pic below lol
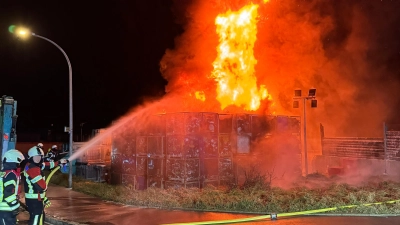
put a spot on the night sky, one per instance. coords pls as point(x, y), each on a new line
point(348, 50)
point(114, 48)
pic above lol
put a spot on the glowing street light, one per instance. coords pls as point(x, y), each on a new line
point(20, 32)
point(24, 33)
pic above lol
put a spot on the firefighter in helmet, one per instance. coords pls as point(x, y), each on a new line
point(52, 154)
point(35, 184)
point(9, 182)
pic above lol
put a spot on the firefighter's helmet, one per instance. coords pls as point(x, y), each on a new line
point(40, 145)
point(34, 151)
point(54, 146)
point(13, 155)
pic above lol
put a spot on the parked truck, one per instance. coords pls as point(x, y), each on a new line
point(8, 121)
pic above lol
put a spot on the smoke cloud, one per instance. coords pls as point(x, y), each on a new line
point(347, 50)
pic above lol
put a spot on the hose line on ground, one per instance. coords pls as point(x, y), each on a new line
point(47, 183)
point(256, 218)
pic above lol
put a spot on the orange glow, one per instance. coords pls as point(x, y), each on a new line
point(265, 1)
point(234, 65)
point(200, 95)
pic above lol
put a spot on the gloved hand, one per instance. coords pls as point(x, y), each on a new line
point(46, 202)
point(63, 161)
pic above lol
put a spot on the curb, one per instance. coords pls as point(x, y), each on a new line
point(56, 221)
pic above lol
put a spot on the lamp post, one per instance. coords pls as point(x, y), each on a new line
point(25, 33)
point(296, 98)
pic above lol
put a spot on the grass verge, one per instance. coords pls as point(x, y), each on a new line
point(251, 198)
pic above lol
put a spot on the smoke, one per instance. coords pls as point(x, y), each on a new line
point(344, 49)
point(347, 50)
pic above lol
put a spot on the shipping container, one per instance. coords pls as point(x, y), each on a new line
point(193, 149)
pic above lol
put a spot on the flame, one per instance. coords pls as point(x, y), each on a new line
point(200, 95)
point(234, 65)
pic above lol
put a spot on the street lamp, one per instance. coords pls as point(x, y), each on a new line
point(25, 33)
point(296, 98)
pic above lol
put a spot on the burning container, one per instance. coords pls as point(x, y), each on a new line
point(190, 149)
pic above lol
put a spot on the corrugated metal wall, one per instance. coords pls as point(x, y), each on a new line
point(349, 153)
point(367, 148)
point(393, 145)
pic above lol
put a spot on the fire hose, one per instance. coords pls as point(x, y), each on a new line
point(273, 216)
point(47, 183)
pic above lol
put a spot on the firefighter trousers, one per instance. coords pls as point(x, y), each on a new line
point(36, 210)
point(7, 218)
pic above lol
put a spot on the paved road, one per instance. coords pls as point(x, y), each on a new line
point(323, 220)
point(153, 217)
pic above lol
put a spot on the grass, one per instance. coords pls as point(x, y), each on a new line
point(254, 197)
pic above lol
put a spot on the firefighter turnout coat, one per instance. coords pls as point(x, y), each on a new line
point(35, 181)
point(9, 182)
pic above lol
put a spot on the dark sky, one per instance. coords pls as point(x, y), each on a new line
point(114, 47)
point(348, 50)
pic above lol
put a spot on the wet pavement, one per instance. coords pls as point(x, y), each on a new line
point(70, 207)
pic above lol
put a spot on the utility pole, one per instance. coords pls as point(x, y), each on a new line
point(311, 96)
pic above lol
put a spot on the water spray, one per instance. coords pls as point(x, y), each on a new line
point(139, 113)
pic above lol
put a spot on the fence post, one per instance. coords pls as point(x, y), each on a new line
point(385, 145)
point(322, 134)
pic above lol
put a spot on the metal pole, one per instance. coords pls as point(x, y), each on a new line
point(305, 136)
point(70, 105)
point(385, 146)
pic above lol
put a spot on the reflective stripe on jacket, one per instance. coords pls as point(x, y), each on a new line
point(35, 181)
point(9, 183)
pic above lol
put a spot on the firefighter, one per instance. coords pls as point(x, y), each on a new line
point(23, 163)
point(35, 184)
point(40, 145)
point(52, 154)
point(10, 177)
